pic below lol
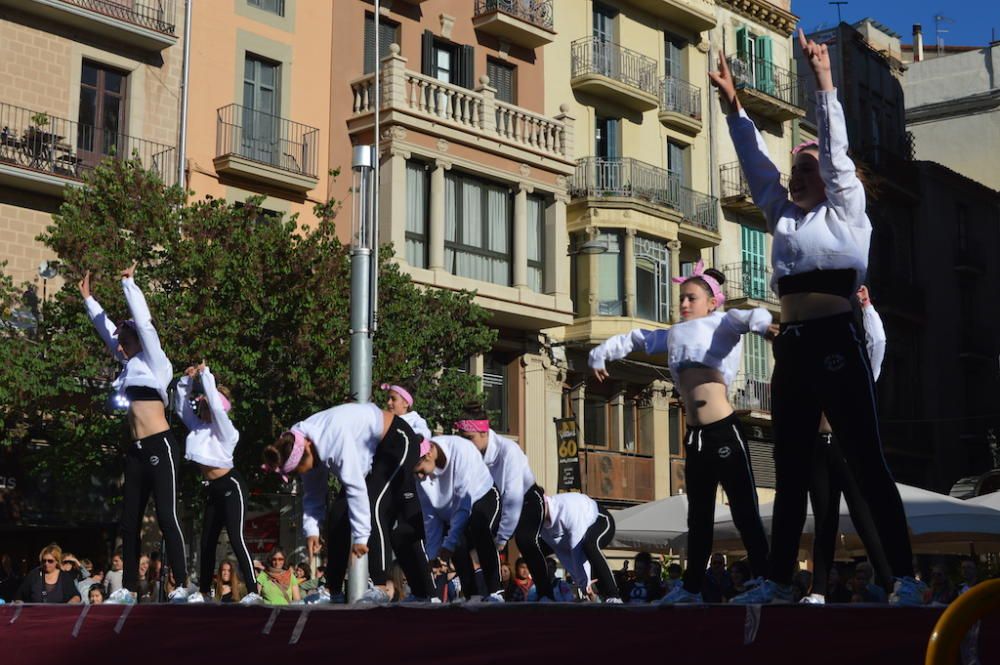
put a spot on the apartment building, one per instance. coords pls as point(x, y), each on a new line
point(80, 80)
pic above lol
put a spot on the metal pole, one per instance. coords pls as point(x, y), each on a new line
point(185, 76)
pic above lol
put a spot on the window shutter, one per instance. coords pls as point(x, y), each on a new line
point(369, 44)
point(742, 43)
point(467, 62)
point(427, 53)
point(765, 64)
point(501, 78)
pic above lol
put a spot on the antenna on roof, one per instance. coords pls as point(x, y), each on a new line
point(939, 20)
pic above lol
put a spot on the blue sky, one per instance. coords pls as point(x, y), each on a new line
point(970, 25)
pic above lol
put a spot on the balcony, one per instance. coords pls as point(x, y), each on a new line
point(751, 395)
point(695, 15)
point(472, 117)
point(766, 89)
point(264, 148)
point(680, 105)
point(44, 154)
point(736, 191)
point(145, 24)
point(749, 285)
point(614, 73)
point(527, 23)
point(630, 179)
point(615, 476)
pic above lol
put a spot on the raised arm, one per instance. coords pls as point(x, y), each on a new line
point(105, 327)
point(763, 177)
point(183, 406)
point(736, 323)
point(222, 426)
point(844, 191)
point(619, 346)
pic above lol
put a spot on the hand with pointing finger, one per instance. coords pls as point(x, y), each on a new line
point(819, 60)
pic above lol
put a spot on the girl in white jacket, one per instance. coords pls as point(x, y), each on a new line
point(703, 352)
point(577, 530)
point(461, 510)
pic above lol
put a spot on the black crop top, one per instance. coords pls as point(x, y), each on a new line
point(838, 282)
point(142, 394)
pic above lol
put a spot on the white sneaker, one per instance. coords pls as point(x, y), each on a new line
point(679, 595)
point(763, 593)
point(374, 596)
point(813, 599)
point(614, 600)
point(196, 597)
point(121, 597)
point(252, 599)
point(907, 591)
point(495, 597)
point(179, 595)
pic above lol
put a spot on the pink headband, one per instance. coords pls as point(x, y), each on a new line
point(472, 425)
point(298, 449)
point(226, 406)
point(805, 145)
point(425, 447)
point(401, 391)
point(699, 271)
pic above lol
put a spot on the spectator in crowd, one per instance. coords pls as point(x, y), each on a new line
point(145, 586)
point(10, 579)
point(229, 588)
point(95, 595)
point(278, 585)
point(865, 587)
point(318, 581)
point(446, 585)
point(739, 574)
point(801, 583)
point(970, 575)
point(81, 575)
point(836, 588)
point(562, 590)
point(396, 584)
point(48, 583)
point(674, 575)
point(642, 588)
point(656, 576)
point(113, 578)
point(303, 573)
point(504, 574)
point(718, 587)
point(940, 591)
point(521, 585)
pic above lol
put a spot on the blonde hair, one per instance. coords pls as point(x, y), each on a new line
point(54, 550)
point(236, 586)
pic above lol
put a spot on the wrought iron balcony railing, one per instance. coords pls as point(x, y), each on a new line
point(766, 77)
point(154, 14)
point(680, 96)
point(536, 12)
point(268, 139)
point(749, 393)
point(591, 55)
point(733, 183)
point(751, 280)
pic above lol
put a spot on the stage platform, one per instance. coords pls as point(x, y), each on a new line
point(467, 634)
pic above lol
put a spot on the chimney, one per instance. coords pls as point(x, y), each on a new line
point(918, 43)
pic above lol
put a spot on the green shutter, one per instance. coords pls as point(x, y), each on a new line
point(742, 43)
point(752, 249)
point(765, 65)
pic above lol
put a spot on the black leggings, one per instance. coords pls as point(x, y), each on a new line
point(718, 453)
point(225, 505)
point(527, 535)
point(391, 495)
point(151, 466)
point(830, 478)
point(821, 366)
point(480, 531)
point(599, 536)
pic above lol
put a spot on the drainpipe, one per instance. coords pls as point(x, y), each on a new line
point(185, 74)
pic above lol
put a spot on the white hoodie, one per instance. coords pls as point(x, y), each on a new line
point(447, 494)
point(568, 516)
point(150, 368)
point(211, 444)
point(345, 437)
point(512, 476)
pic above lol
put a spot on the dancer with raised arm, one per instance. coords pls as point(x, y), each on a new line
point(703, 352)
point(204, 408)
point(819, 256)
point(153, 457)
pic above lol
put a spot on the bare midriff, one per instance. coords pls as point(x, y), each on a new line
point(797, 307)
point(212, 472)
point(704, 394)
point(146, 418)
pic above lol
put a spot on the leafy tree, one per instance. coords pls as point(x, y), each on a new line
point(262, 299)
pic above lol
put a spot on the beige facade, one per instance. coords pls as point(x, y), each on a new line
point(77, 84)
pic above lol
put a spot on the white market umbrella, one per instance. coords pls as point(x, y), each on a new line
point(657, 526)
point(991, 500)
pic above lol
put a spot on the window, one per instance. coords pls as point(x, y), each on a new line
point(609, 279)
point(417, 213)
point(605, 56)
point(608, 137)
point(477, 229)
point(754, 275)
point(502, 78)
point(755, 354)
point(388, 33)
point(673, 56)
point(495, 391)
point(102, 112)
point(261, 134)
point(595, 421)
point(652, 279)
point(273, 6)
point(757, 54)
point(536, 244)
point(447, 62)
point(677, 155)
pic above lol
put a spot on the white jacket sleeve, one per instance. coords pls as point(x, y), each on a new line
point(158, 360)
point(736, 323)
point(105, 327)
point(874, 339)
point(182, 405)
point(763, 177)
point(315, 486)
point(433, 529)
point(513, 501)
point(619, 346)
point(352, 479)
point(418, 424)
point(844, 191)
point(222, 426)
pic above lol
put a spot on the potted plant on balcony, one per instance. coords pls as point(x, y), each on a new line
point(36, 137)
